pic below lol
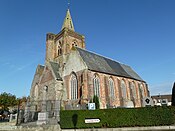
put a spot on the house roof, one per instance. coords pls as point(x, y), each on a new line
point(168, 97)
point(102, 64)
point(55, 69)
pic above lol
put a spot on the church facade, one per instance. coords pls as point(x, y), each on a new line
point(73, 75)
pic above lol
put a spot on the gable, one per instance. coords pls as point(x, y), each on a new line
point(47, 75)
point(38, 73)
point(74, 63)
point(36, 79)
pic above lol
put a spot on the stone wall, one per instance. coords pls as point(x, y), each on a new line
point(57, 128)
point(30, 128)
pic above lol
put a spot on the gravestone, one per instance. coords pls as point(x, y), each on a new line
point(57, 109)
point(84, 106)
point(129, 104)
point(68, 107)
point(49, 108)
point(20, 117)
point(27, 112)
point(59, 95)
point(42, 118)
point(43, 115)
point(77, 107)
point(147, 101)
point(13, 117)
point(164, 102)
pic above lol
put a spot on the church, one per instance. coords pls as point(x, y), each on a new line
point(73, 75)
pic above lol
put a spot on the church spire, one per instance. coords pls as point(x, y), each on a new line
point(68, 21)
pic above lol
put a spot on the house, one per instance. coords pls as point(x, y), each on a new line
point(160, 100)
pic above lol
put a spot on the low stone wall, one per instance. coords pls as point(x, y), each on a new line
point(156, 128)
point(57, 128)
point(30, 128)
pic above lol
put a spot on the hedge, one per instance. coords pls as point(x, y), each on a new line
point(119, 117)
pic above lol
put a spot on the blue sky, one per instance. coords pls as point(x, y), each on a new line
point(139, 33)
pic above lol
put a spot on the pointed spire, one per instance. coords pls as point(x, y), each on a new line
point(68, 21)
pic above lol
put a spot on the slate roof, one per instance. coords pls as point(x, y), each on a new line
point(55, 68)
point(102, 64)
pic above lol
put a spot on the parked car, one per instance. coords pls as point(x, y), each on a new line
point(4, 114)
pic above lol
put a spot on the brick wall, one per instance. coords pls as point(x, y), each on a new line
point(85, 83)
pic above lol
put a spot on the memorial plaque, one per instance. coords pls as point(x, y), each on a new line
point(42, 118)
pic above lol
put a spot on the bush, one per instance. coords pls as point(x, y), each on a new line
point(111, 118)
point(96, 101)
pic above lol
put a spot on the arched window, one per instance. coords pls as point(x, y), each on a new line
point(111, 88)
point(141, 91)
point(73, 87)
point(59, 51)
point(133, 90)
point(96, 85)
point(123, 89)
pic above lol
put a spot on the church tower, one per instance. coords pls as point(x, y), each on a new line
point(58, 46)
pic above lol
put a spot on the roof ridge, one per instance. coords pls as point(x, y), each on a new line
point(101, 56)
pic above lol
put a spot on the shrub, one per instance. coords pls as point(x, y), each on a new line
point(96, 101)
point(121, 117)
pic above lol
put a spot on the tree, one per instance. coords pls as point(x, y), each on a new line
point(173, 95)
point(96, 101)
point(7, 100)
